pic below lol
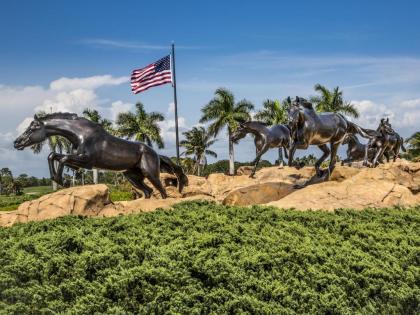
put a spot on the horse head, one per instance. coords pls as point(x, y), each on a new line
point(240, 132)
point(385, 126)
point(34, 134)
point(294, 116)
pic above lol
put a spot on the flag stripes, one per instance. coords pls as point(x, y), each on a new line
point(155, 74)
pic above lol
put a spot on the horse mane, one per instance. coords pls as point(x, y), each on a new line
point(306, 104)
point(68, 116)
point(259, 121)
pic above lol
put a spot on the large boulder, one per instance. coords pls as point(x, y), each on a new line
point(353, 193)
point(82, 200)
point(258, 194)
point(144, 205)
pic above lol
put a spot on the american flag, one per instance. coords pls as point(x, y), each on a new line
point(157, 73)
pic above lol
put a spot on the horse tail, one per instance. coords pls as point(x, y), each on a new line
point(365, 133)
point(166, 165)
point(402, 144)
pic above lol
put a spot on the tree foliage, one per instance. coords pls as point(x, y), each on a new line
point(95, 116)
point(197, 142)
point(141, 126)
point(332, 101)
point(222, 111)
point(413, 150)
point(273, 112)
point(203, 258)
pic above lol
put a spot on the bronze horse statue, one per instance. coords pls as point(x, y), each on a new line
point(356, 150)
point(93, 147)
point(277, 136)
point(311, 128)
point(386, 142)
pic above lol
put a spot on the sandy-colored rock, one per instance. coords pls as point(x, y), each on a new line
point(387, 185)
point(258, 194)
point(82, 200)
point(351, 193)
point(244, 170)
point(144, 205)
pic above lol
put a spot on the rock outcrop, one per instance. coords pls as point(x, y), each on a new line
point(81, 200)
point(391, 184)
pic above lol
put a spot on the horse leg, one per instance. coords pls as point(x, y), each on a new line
point(136, 178)
point(71, 160)
point(149, 166)
point(365, 161)
point(257, 160)
point(387, 156)
point(324, 148)
point(377, 156)
point(334, 148)
point(52, 157)
point(396, 151)
point(291, 154)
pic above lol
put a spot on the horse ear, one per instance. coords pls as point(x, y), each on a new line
point(387, 120)
point(289, 101)
point(36, 117)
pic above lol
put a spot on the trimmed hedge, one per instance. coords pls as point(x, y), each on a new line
point(204, 258)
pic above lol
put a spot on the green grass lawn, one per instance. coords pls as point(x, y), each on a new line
point(203, 258)
point(9, 203)
point(38, 190)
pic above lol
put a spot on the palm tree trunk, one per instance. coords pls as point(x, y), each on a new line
point(231, 155)
point(54, 183)
point(95, 176)
point(281, 162)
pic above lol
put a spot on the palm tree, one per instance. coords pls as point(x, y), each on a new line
point(332, 101)
point(93, 115)
point(223, 111)
point(197, 142)
point(274, 113)
point(141, 126)
point(414, 145)
point(56, 144)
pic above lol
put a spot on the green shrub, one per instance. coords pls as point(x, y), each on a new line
point(204, 258)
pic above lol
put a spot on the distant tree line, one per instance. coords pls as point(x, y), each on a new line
point(14, 185)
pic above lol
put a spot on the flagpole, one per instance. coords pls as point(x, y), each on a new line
point(175, 102)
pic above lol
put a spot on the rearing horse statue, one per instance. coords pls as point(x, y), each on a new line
point(310, 128)
point(93, 147)
point(278, 136)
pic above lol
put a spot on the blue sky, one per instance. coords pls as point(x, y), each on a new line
point(257, 49)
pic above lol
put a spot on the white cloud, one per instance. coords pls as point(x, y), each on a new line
point(119, 107)
point(101, 42)
point(94, 82)
point(405, 117)
point(73, 101)
point(168, 128)
point(24, 125)
point(411, 104)
point(171, 107)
